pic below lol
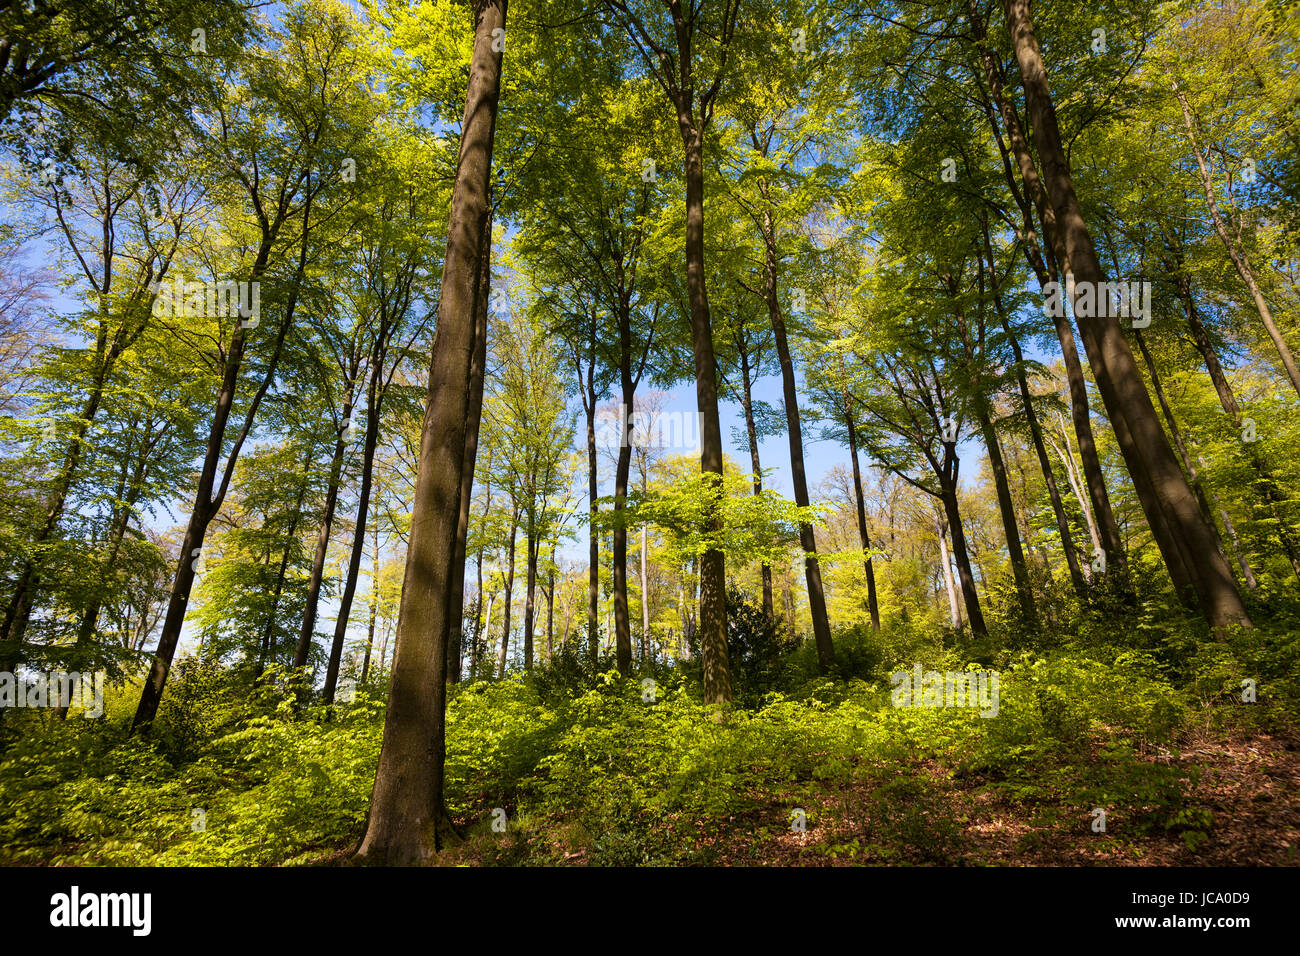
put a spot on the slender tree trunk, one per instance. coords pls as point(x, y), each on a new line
point(407, 821)
point(751, 432)
point(593, 494)
point(1007, 510)
point(206, 503)
point(373, 402)
point(530, 594)
point(622, 471)
point(872, 606)
point(550, 613)
point(961, 555)
point(1036, 436)
point(308, 631)
point(268, 633)
point(645, 594)
point(945, 565)
point(794, 432)
point(1228, 400)
point(1240, 260)
point(507, 604)
point(1126, 399)
point(374, 607)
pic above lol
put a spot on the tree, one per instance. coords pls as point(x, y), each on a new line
point(407, 822)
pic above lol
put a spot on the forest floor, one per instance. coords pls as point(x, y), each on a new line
point(1243, 810)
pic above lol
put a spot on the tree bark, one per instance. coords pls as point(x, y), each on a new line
point(1057, 261)
point(961, 555)
point(407, 822)
point(713, 568)
point(308, 631)
point(478, 364)
point(1240, 260)
point(794, 432)
point(1007, 511)
point(507, 604)
point(751, 432)
point(1145, 446)
point(208, 496)
point(873, 607)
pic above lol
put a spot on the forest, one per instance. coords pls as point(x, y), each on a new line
point(649, 433)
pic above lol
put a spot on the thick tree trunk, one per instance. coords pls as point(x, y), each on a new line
point(1145, 446)
point(713, 570)
point(1057, 261)
point(407, 821)
point(478, 363)
point(1176, 433)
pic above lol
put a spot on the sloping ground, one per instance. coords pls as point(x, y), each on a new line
point(1242, 809)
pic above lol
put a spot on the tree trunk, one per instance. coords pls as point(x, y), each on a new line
point(507, 604)
point(794, 432)
point(1007, 510)
point(1223, 388)
point(308, 630)
point(407, 822)
point(872, 606)
point(206, 503)
point(1057, 261)
point(374, 607)
point(713, 569)
point(645, 595)
point(961, 555)
point(945, 566)
point(1176, 433)
point(751, 431)
point(374, 402)
point(593, 494)
point(550, 613)
point(622, 471)
point(530, 594)
point(1146, 449)
point(1240, 260)
point(478, 362)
